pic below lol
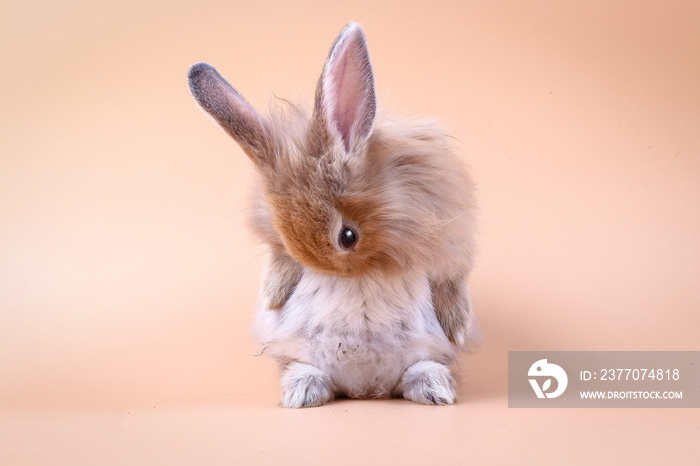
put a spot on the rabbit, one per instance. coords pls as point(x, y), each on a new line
point(370, 223)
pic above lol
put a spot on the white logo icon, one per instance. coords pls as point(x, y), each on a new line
point(543, 369)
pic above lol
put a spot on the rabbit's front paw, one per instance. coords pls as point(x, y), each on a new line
point(428, 382)
point(305, 386)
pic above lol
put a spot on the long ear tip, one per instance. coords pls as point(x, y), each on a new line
point(352, 30)
point(353, 27)
point(199, 67)
point(197, 72)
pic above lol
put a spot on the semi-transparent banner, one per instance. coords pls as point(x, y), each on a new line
point(604, 379)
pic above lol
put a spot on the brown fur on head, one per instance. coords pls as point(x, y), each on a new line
point(397, 186)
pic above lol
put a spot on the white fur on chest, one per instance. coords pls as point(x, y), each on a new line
point(362, 332)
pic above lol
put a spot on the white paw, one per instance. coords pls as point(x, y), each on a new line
point(305, 386)
point(428, 382)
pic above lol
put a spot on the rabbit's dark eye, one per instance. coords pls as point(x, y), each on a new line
point(347, 238)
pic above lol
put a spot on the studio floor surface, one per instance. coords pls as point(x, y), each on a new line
point(251, 428)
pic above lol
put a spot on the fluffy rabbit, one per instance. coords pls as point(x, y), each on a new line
point(370, 224)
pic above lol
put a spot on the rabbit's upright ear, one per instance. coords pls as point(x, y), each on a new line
point(230, 110)
point(345, 96)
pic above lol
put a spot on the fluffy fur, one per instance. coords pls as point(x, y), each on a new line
point(387, 315)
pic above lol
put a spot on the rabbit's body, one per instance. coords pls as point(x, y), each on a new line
point(370, 223)
point(361, 332)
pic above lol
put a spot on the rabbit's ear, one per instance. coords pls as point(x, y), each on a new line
point(345, 97)
point(230, 110)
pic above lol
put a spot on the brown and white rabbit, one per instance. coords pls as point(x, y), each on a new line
point(370, 224)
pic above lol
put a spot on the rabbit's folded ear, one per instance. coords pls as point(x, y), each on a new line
point(345, 97)
point(230, 110)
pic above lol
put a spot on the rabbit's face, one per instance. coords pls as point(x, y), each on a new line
point(325, 212)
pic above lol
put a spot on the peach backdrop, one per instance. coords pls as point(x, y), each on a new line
point(128, 279)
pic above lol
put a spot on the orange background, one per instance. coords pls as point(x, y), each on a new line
point(128, 279)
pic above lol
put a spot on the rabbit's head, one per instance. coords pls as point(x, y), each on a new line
point(342, 194)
